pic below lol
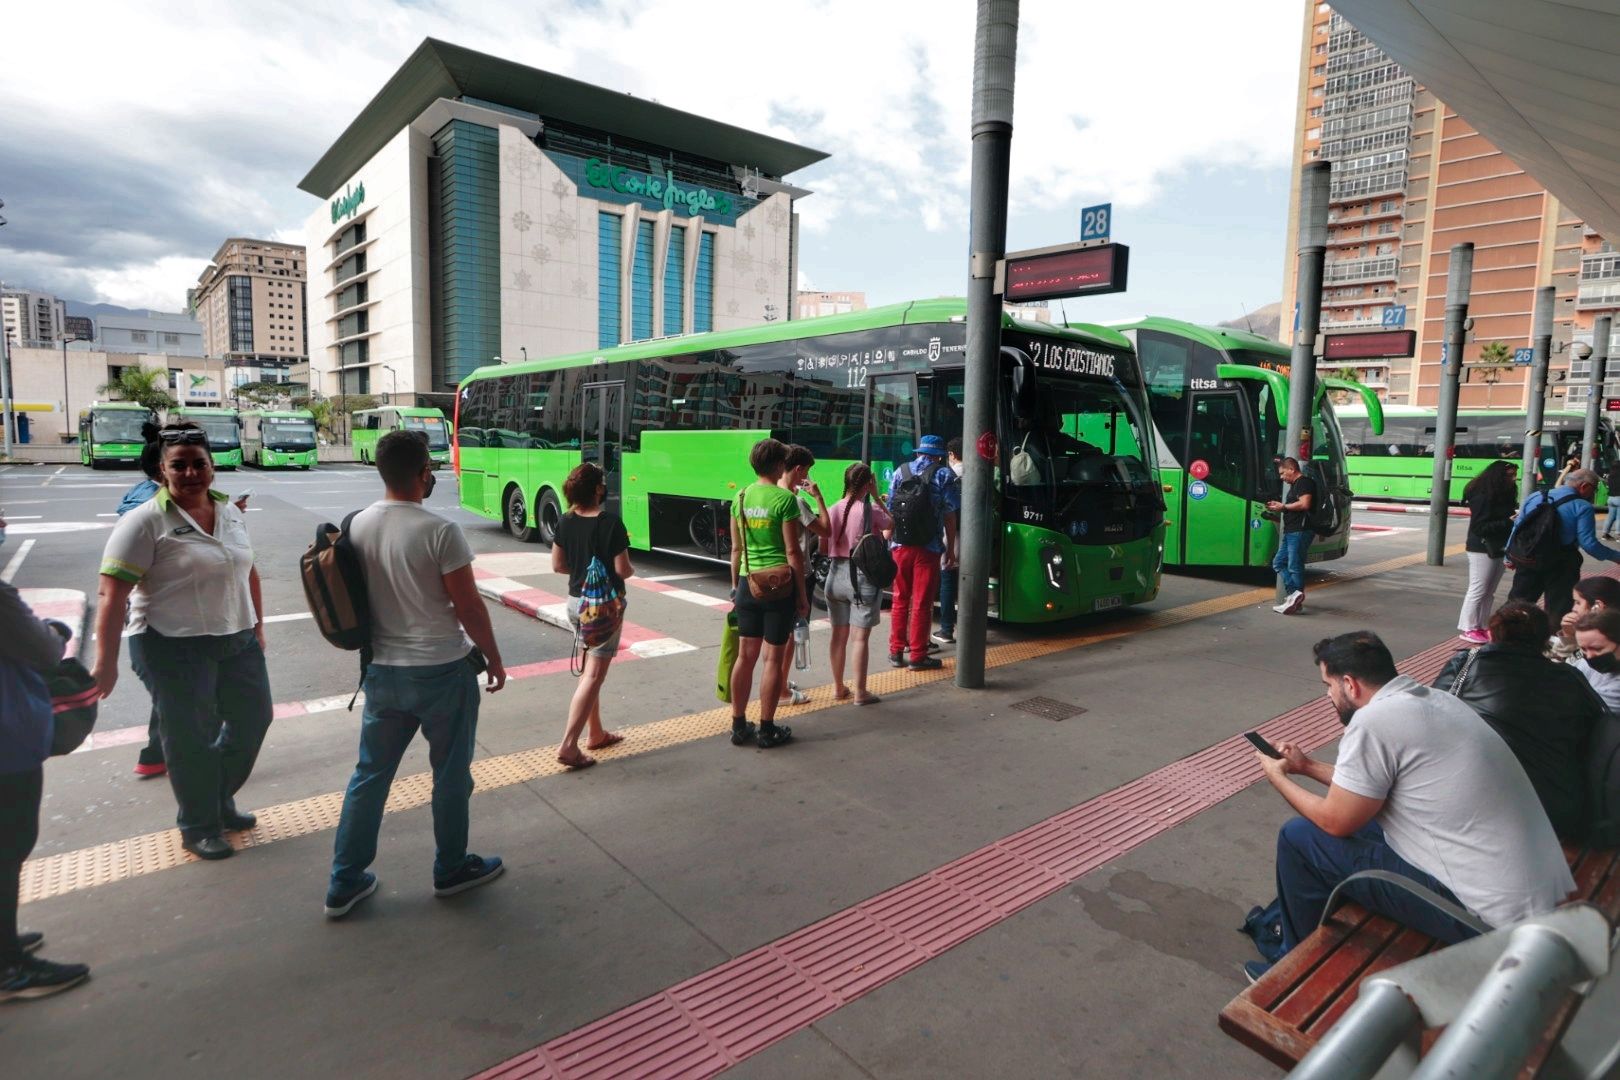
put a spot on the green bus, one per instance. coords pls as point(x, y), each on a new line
point(110, 433)
point(279, 439)
point(671, 422)
point(1219, 399)
point(1398, 463)
point(224, 428)
point(372, 424)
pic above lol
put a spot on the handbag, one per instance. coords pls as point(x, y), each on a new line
point(730, 642)
point(1023, 470)
point(767, 585)
point(74, 700)
point(1462, 673)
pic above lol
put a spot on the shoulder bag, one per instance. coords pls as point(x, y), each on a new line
point(769, 585)
point(1462, 672)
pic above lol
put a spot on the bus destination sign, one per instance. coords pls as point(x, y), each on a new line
point(1064, 271)
point(1369, 345)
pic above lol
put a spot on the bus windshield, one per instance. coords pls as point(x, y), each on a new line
point(288, 433)
point(438, 438)
point(122, 426)
point(224, 432)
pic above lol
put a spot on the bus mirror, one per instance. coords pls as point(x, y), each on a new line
point(1024, 400)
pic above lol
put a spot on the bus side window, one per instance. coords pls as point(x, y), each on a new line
point(1218, 440)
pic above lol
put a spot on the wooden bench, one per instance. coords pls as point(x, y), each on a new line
point(1287, 1010)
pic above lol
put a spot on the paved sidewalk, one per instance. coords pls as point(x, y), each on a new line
point(67, 605)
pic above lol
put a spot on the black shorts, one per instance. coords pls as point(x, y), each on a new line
point(771, 620)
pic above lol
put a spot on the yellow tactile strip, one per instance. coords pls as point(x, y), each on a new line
point(119, 860)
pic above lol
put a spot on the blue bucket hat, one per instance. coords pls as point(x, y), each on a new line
point(932, 445)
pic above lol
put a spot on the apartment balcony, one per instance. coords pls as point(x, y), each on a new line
point(1350, 271)
point(1598, 296)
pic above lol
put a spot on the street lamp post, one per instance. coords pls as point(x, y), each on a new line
point(67, 413)
point(393, 383)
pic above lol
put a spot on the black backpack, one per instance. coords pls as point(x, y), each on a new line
point(870, 554)
point(335, 586)
point(911, 504)
point(1326, 515)
point(1534, 542)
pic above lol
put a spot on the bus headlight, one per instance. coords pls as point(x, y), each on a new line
point(1057, 574)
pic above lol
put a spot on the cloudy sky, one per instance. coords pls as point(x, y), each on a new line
point(148, 132)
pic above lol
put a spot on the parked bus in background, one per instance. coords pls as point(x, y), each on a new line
point(369, 425)
point(224, 428)
point(1398, 463)
point(272, 439)
point(1219, 399)
point(671, 422)
point(110, 433)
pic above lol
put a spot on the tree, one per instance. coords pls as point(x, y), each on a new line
point(353, 403)
point(143, 386)
point(1497, 352)
point(260, 394)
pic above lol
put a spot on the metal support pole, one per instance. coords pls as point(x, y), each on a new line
point(1459, 278)
point(6, 419)
point(67, 425)
point(1601, 329)
point(1540, 351)
point(1382, 1022)
point(994, 54)
point(1295, 439)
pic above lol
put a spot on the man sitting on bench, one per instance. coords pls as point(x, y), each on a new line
point(1424, 789)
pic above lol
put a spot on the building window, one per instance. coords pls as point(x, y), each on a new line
point(138, 337)
point(703, 286)
point(609, 230)
point(350, 325)
point(239, 288)
point(171, 339)
point(354, 352)
point(464, 198)
point(641, 282)
point(675, 281)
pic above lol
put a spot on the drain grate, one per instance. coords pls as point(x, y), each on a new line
point(1048, 708)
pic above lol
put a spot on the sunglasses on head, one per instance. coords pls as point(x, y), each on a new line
point(183, 436)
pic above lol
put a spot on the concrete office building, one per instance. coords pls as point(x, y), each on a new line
point(151, 332)
point(41, 375)
point(479, 209)
point(32, 318)
point(1410, 179)
point(79, 327)
point(810, 305)
point(251, 303)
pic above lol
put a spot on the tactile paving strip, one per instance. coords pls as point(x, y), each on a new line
point(708, 1023)
point(118, 860)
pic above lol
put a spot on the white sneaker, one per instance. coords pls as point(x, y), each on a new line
point(1282, 608)
point(1295, 602)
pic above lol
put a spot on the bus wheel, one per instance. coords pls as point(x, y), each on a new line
point(517, 516)
point(548, 515)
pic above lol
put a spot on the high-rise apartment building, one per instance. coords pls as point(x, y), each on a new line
point(1410, 178)
point(810, 305)
point(32, 318)
point(250, 302)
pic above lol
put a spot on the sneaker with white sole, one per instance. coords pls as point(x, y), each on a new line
point(1281, 609)
point(475, 871)
point(339, 904)
point(36, 978)
point(1295, 602)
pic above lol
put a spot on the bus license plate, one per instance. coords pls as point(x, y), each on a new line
point(1105, 602)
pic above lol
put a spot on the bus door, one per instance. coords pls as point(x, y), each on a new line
point(891, 433)
point(1215, 499)
point(601, 421)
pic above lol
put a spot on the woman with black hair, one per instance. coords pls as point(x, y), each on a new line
point(1492, 498)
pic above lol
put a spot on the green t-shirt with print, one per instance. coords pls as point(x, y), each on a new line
point(765, 509)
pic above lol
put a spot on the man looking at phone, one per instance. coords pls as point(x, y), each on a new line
point(1422, 788)
point(1294, 508)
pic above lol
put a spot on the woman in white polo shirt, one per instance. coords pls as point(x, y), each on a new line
point(184, 563)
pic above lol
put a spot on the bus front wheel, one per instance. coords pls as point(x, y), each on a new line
point(548, 515)
point(517, 516)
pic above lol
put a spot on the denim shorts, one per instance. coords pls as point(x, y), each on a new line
point(847, 605)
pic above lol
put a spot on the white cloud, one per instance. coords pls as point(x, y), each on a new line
point(228, 105)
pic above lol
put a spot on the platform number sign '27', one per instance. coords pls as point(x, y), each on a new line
point(1096, 221)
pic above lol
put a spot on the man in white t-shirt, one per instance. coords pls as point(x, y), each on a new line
point(1422, 788)
point(423, 674)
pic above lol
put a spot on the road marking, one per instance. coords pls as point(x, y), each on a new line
point(23, 517)
point(119, 860)
point(670, 577)
point(60, 527)
point(16, 561)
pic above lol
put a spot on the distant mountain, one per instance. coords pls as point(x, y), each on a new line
point(95, 311)
point(1265, 321)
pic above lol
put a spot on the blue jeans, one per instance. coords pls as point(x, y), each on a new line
point(947, 599)
point(1290, 560)
point(442, 700)
point(1310, 863)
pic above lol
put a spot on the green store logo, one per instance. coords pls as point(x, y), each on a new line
point(197, 380)
point(600, 174)
point(347, 204)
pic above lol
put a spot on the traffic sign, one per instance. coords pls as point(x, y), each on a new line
point(1096, 222)
point(1393, 316)
point(1523, 357)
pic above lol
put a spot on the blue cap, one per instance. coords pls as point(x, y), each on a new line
point(931, 444)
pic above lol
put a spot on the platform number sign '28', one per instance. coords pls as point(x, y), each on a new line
point(1096, 221)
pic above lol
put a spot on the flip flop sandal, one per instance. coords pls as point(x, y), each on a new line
point(613, 738)
point(870, 699)
point(581, 762)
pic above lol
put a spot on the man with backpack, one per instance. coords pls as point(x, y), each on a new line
point(924, 500)
point(1298, 499)
point(423, 673)
point(1545, 546)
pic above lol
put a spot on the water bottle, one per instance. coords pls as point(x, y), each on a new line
point(801, 644)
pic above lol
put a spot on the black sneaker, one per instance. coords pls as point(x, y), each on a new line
point(927, 663)
point(945, 637)
point(742, 736)
point(1255, 970)
point(339, 904)
point(36, 978)
point(29, 941)
point(774, 735)
point(476, 871)
point(897, 659)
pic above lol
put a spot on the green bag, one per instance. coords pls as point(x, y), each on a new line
point(729, 641)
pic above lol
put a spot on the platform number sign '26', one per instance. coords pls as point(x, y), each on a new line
point(1096, 222)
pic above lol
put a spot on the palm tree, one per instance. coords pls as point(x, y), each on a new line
point(144, 386)
point(1497, 352)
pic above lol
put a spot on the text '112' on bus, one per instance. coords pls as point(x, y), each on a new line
point(671, 421)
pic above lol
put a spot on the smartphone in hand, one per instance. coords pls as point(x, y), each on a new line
point(1261, 744)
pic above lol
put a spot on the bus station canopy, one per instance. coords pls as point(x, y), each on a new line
point(32, 406)
point(1539, 78)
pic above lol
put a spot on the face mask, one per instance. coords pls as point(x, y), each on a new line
point(956, 467)
point(427, 492)
point(1604, 664)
